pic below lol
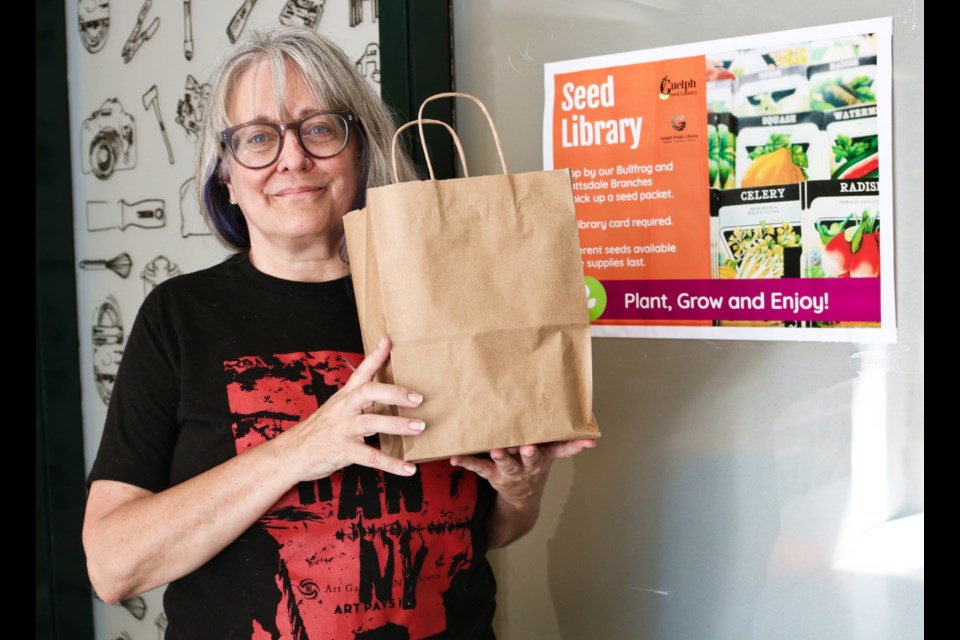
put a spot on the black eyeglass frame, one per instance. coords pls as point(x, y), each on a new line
point(349, 118)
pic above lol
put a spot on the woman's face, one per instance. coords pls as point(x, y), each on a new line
point(298, 200)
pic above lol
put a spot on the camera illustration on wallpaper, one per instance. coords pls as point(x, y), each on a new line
point(108, 140)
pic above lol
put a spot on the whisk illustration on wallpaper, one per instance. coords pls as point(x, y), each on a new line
point(120, 265)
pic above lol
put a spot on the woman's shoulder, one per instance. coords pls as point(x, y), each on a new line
point(204, 284)
point(212, 276)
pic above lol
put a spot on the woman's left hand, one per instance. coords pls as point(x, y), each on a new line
point(519, 476)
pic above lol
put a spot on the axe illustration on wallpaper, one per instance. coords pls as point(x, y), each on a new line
point(150, 101)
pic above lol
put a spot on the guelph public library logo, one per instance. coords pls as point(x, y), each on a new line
point(670, 88)
point(677, 88)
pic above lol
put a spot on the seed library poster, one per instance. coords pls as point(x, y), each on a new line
point(733, 189)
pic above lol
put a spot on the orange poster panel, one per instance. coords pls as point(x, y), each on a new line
point(635, 140)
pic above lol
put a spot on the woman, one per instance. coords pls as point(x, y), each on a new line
point(239, 460)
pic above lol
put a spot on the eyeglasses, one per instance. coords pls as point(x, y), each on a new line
point(256, 145)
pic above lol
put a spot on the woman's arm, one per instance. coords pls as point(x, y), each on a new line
point(136, 540)
point(519, 476)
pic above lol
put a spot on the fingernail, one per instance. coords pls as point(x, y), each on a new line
point(383, 340)
point(417, 425)
point(415, 397)
point(410, 468)
point(591, 444)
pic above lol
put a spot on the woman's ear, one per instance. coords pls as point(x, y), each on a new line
point(229, 186)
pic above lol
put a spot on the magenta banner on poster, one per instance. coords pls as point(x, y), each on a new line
point(788, 300)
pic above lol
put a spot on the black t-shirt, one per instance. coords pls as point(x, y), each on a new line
point(223, 359)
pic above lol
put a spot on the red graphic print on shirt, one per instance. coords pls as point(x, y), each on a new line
point(362, 554)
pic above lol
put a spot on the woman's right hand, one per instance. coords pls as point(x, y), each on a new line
point(137, 540)
point(333, 436)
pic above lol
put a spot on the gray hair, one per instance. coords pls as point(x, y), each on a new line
point(335, 82)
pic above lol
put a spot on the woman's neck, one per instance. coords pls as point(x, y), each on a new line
point(319, 264)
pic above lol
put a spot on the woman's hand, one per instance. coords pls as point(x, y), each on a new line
point(136, 540)
point(519, 476)
point(333, 436)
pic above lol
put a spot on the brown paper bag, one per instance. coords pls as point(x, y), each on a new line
point(479, 284)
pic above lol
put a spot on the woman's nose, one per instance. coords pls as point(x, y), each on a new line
point(293, 157)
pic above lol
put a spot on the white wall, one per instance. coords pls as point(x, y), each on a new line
point(738, 487)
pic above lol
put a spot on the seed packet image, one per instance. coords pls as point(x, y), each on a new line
point(720, 95)
point(781, 149)
point(757, 229)
point(844, 48)
point(754, 227)
point(716, 256)
point(758, 59)
point(722, 149)
point(843, 83)
point(775, 91)
point(841, 229)
point(854, 148)
point(722, 66)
